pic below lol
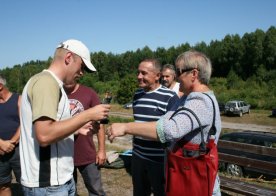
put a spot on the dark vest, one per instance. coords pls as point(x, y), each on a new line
point(9, 117)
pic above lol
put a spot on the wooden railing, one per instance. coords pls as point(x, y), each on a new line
point(268, 166)
point(231, 185)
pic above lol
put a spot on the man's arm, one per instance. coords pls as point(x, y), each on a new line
point(7, 146)
point(101, 154)
point(49, 131)
point(15, 137)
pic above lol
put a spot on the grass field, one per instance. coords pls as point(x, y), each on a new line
point(259, 117)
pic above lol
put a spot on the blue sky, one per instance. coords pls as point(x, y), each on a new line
point(31, 29)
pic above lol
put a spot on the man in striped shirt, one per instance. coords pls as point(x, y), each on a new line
point(150, 102)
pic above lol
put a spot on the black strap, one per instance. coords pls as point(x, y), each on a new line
point(213, 129)
point(202, 145)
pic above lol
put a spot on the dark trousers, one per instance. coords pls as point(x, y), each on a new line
point(92, 178)
point(147, 177)
point(8, 163)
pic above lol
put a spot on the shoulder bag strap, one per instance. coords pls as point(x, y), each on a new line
point(202, 145)
point(213, 129)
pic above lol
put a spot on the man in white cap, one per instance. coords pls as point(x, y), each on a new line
point(46, 140)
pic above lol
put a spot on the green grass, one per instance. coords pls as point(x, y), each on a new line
point(115, 119)
point(259, 117)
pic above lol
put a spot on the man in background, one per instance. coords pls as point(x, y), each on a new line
point(150, 102)
point(86, 159)
point(169, 79)
point(9, 137)
point(46, 139)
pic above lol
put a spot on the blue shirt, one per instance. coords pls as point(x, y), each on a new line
point(9, 117)
point(148, 107)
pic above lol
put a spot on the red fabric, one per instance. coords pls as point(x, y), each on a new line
point(84, 147)
point(191, 175)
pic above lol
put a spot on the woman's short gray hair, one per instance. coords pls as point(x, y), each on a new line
point(197, 60)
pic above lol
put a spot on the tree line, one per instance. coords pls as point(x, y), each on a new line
point(243, 68)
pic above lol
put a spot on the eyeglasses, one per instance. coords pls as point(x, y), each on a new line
point(179, 72)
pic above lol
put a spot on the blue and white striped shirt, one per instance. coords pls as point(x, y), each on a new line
point(147, 107)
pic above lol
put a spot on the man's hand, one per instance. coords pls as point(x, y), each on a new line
point(100, 157)
point(99, 112)
point(2, 152)
point(85, 129)
point(6, 146)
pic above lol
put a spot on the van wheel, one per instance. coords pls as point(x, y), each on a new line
point(240, 114)
point(234, 170)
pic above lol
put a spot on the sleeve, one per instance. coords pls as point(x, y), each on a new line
point(171, 129)
point(45, 95)
point(160, 130)
point(172, 102)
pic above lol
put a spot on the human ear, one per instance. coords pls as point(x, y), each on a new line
point(67, 58)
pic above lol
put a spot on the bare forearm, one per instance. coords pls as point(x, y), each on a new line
point(49, 131)
point(101, 138)
point(101, 155)
point(144, 129)
point(16, 136)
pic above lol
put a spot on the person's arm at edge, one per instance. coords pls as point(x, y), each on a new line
point(49, 131)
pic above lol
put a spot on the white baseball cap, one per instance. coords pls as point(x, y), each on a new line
point(79, 49)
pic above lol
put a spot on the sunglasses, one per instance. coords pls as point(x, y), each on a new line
point(179, 72)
